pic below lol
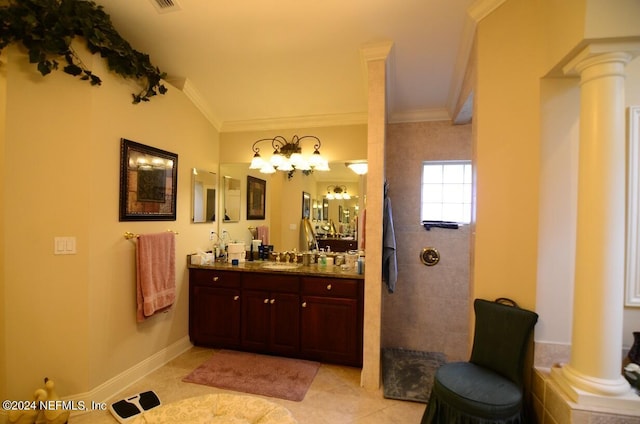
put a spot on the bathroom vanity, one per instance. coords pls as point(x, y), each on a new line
point(338, 244)
point(301, 312)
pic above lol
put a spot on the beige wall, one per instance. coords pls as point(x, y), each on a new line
point(429, 310)
point(3, 179)
point(526, 147)
point(506, 154)
point(72, 317)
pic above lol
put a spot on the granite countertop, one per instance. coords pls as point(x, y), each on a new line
point(264, 267)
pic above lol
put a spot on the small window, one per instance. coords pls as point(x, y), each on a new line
point(446, 191)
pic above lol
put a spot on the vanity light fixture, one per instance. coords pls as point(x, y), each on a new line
point(359, 167)
point(337, 192)
point(287, 156)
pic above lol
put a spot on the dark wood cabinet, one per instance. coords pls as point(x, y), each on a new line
point(332, 320)
point(284, 314)
point(338, 245)
point(271, 322)
point(214, 308)
point(271, 313)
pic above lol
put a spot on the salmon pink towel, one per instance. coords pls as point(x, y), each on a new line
point(156, 273)
point(263, 234)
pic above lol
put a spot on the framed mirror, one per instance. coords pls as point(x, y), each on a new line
point(306, 205)
point(148, 181)
point(325, 209)
point(316, 212)
point(256, 195)
point(231, 187)
point(203, 193)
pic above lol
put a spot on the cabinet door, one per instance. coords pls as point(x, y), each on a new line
point(271, 322)
point(255, 320)
point(285, 324)
point(331, 330)
point(214, 316)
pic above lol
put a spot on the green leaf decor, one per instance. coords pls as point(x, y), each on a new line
point(47, 27)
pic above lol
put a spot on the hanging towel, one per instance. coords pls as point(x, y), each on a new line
point(389, 258)
point(263, 234)
point(156, 273)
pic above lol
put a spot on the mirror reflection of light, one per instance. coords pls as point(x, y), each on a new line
point(359, 168)
point(285, 166)
point(267, 168)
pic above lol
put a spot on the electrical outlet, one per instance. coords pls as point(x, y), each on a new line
point(212, 235)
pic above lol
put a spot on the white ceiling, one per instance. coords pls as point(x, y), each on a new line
point(264, 63)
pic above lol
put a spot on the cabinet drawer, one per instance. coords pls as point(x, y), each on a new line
point(215, 278)
point(271, 282)
point(330, 287)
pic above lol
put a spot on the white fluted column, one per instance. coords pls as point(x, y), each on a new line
point(595, 364)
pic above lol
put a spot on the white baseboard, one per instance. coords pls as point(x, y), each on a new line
point(120, 382)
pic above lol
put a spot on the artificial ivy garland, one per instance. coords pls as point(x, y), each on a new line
point(47, 27)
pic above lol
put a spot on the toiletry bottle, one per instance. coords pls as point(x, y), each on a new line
point(361, 265)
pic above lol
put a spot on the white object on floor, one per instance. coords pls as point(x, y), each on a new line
point(222, 408)
point(128, 409)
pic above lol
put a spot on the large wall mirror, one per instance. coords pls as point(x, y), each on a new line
point(285, 199)
point(231, 199)
point(203, 192)
point(338, 216)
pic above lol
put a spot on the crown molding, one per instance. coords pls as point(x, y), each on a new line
point(435, 114)
point(480, 9)
point(192, 93)
point(314, 121)
point(462, 65)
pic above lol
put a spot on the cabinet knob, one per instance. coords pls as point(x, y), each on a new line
point(215, 279)
point(304, 304)
point(266, 301)
point(328, 286)
point(272, 301)
point(236, 297)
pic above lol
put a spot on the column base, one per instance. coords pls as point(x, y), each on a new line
point(590, 391)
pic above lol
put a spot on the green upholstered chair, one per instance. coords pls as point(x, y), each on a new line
point(488, 388)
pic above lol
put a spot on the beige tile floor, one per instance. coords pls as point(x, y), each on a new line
point(335, 396)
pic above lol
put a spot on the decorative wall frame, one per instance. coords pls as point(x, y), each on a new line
point(256, 197)
point(148, 183)
point(632, 271)
point(306, 205)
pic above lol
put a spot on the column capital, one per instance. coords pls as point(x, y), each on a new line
point(601, 53)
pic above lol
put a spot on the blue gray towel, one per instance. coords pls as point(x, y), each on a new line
point(389, 258)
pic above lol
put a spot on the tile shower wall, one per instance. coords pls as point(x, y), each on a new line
point(429, 310)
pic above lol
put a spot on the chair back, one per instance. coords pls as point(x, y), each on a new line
point(501, 335)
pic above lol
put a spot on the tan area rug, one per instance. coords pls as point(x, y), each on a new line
point(265, 375)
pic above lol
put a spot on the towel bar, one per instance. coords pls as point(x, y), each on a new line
point(129, 235)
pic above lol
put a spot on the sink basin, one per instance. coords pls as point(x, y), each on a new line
point(280, 266)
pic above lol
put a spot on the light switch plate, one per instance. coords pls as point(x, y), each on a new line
point(64, 245)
